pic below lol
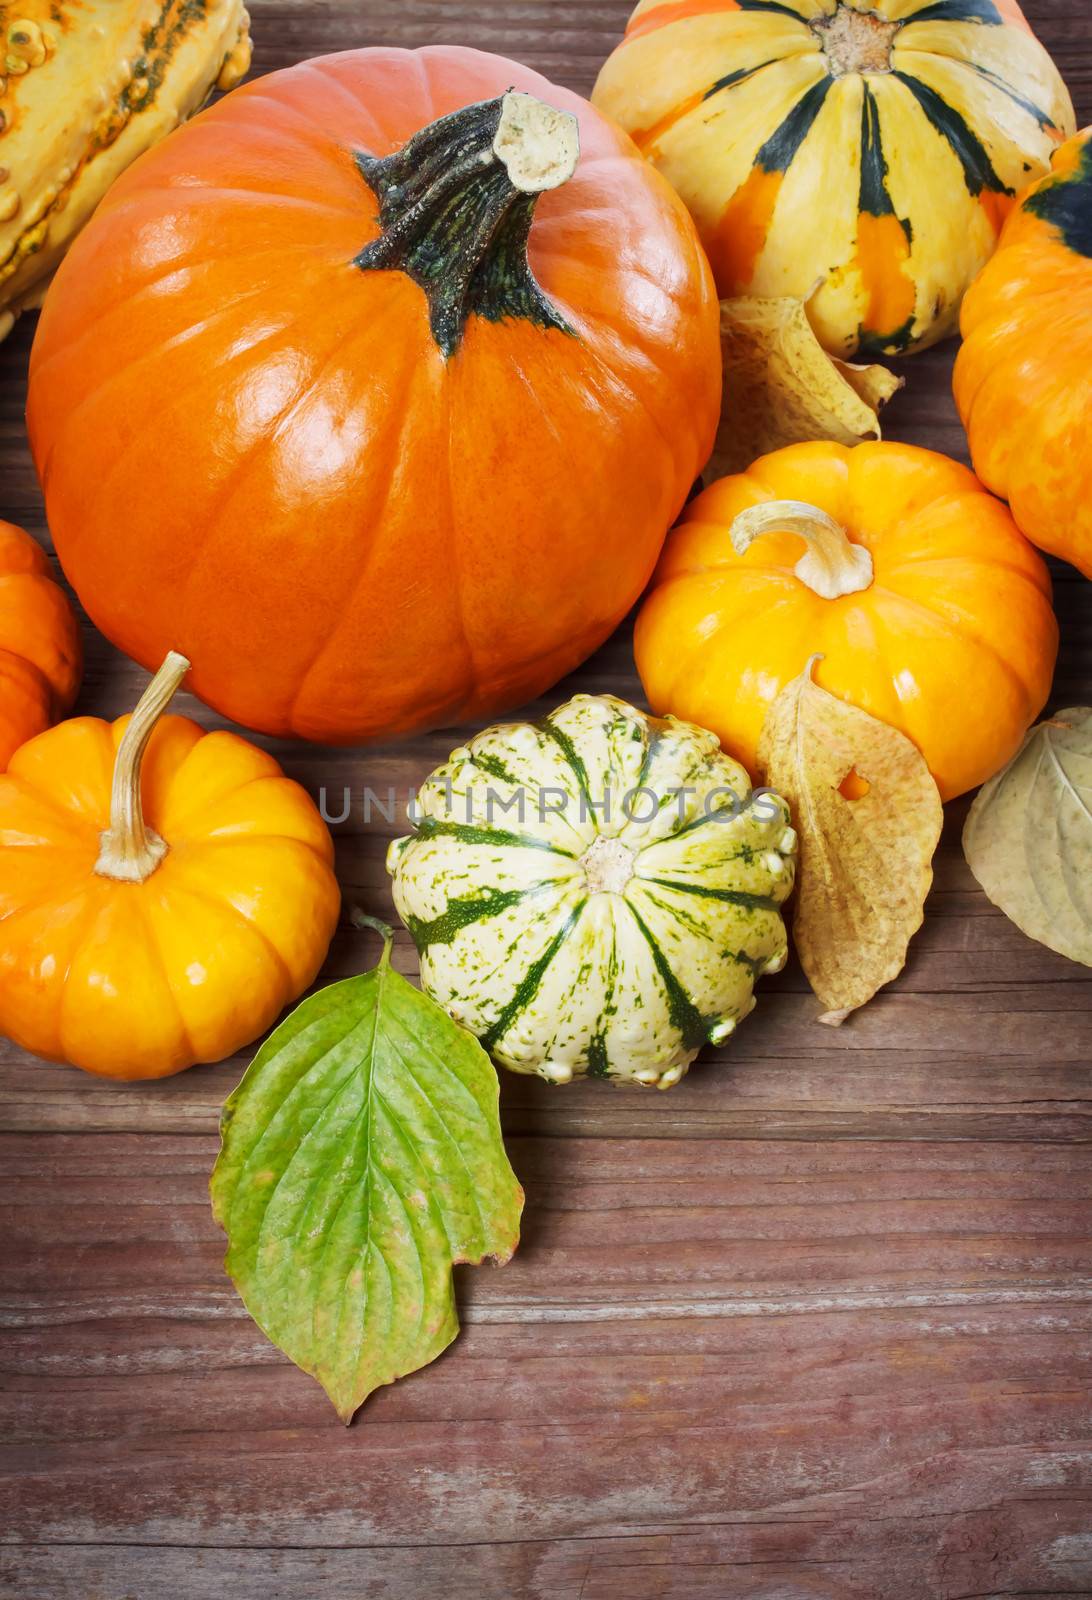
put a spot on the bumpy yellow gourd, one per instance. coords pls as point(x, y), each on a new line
point(85, 87)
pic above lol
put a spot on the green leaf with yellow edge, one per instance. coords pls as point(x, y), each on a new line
point(361, 1160)
point(1028, 838)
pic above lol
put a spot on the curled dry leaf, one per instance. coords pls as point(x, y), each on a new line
point(869, 818)
point(1028, 838)
point(781, 387)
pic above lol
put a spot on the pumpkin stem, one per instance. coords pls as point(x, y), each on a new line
point(856, 41)
point(831, 566)
point(129, 851)
point(456, 205)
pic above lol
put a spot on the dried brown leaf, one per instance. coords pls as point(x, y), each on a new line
point(781, 387)
point(875, 384)
point(869, 818)
point(1028, 838)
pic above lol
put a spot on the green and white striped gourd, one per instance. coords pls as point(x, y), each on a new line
point(595, 894)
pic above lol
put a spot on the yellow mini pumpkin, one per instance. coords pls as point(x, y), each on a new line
point(164, 892)
point(928, 607)
point(860, 155)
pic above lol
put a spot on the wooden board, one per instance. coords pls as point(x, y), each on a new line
point(817, 1323)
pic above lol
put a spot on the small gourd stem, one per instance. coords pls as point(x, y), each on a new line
point(831, 566)
point(130, 851)
point(360, 919)
point(456, 205)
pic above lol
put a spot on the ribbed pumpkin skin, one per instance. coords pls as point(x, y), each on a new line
point(41, 657)
point(515, 887)
point(954, 642)
point(886, 187)
point(86, 86)
point(141, 980)
point(255, 453)
point(1023, 377)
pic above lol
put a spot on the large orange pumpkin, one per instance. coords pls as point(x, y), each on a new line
point(1023, 378)
point(380, 419)
point(40, 654)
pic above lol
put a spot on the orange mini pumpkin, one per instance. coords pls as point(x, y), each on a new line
point(164, 892)
point(375, 390)
point(1023, 378)
point(40, 654)
point(928, 606)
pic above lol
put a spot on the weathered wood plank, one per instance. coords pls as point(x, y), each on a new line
point(817, 1323)
point(877, 1440)
point(609, 1221)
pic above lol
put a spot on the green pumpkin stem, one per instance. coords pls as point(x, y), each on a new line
point(456, 205)
point(130, 851)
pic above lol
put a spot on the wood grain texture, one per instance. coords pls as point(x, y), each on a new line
point(818, 1323)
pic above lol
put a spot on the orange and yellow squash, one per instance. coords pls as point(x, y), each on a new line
point(927, 605)
point(85, 87)
point(40, 654)
point(1023, 377)
point(164, 892)
point(859, 155)
point(415, 374)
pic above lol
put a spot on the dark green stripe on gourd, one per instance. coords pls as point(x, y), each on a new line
point(493, 767)
point(454, 221)
point(572, 758)
point(530, 983)
point(652, 749)
point(472, 833)
point(957, 11)
point(771, 5)
point(686, 1019)
point(685, 919)
point(730, 81)
point(597, 1058)
point(597, 1055)
point(1066, 202)
point(466, 911)
point(780, 150)
point(873, 346)
point(978, 170)
point(718, 818)
point(732, 897)
point(875, 201)
point(994, 79)
point(754, 965)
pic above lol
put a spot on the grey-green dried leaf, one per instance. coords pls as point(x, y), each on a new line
point(361, 1159)
point(1028, 837)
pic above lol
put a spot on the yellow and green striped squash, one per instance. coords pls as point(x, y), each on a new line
point(858, 156)
point(595, 894)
